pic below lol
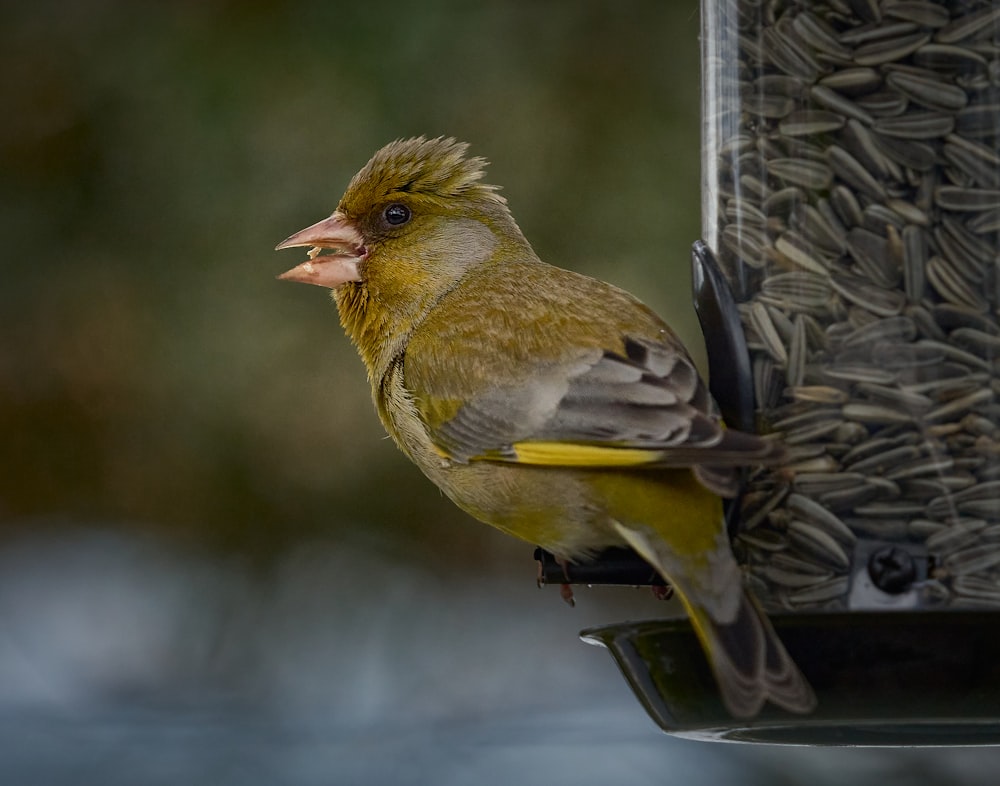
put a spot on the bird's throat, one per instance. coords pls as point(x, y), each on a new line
point(378, 334)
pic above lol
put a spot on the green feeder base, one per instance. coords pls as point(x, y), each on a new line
point(881, 679)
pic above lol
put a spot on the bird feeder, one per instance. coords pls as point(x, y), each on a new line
point(849, 291)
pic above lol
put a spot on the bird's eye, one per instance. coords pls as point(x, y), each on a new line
point(397, 214)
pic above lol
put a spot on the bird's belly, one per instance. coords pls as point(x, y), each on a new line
point(548, 507)
point(572, 513)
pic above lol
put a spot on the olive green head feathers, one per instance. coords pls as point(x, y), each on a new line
point(412, 222)
point(414, 218)
point(429, 171)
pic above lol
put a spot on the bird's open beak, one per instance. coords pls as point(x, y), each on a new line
point(331, 270)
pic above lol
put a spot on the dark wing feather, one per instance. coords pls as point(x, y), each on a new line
point(648, 398)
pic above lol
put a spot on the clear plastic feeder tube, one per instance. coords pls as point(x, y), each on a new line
point(852, 197)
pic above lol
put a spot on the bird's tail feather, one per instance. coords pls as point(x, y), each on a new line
point(749, 661)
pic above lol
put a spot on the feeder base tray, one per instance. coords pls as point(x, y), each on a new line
point(881, 679)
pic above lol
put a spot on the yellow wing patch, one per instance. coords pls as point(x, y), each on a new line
point(573, 454)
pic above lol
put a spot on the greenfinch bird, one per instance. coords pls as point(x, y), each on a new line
point(553, 406)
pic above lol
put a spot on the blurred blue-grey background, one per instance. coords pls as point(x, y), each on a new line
point(213, 568)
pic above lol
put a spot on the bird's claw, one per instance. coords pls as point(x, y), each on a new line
point(662, 591)
point(566, 593)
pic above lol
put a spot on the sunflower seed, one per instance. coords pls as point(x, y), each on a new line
point(834, 101)
point(962, 199)
point(782, 202)
point(816, 483)
point(794, 561)
point(975, 255)
point(952, 287)
point(909, 212)
point(884, 103)
point(916, 125)
point(931, 93)
point(792, 577)
point(817, 543)
point(819, 394)
point(771, 500)
point(772, 106)
point(846, 204)
point(927, 327)
point(947, 57)
point(959, 406)
point(866, 33)
point(799, 287)
point(786, 55)
point(900, 328)
point(986, 154)
point(799, 252)
point(811, 512)
point(921, 529)
point(914, 263)
point(764, 539)
point(854, 81)
point(797, 354)
point(887, 50)
point(817, 228)
point(871, 254)
point(884, 302)
point(909, 153)
point(801, 172)
point(755, 186)
point(844, 500)
point(972, 588)
point(972, 559)
point(986, 490)
point(811, 432)
point(803, 415)
point(955, 537)
point(978, 120)
point(850, 170)
point(807, 122)
point(893, 396)
point(925, 14)
point(981, 508)
point(828, 590)
point(986, 345)
point(818, 35)
point(986, 222)
point(747, 242)
point(859, 373)
point(779, 85)
point(950, 316)
point(967, 26)
point(874, 414)
point(881, 219)
point(971, 166)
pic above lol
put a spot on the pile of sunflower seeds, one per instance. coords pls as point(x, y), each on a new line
point(856, 212)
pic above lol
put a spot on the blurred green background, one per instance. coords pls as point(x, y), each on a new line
point(214, 568)
point(154, 375)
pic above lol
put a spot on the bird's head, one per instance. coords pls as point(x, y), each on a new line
point(411, 222)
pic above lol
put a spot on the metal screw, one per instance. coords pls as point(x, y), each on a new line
point(892, 569)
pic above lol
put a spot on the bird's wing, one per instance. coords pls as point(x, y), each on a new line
point(642, 407)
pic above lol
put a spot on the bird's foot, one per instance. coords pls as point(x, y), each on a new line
point(565, 590)
point(566, 593)
point(662, 591)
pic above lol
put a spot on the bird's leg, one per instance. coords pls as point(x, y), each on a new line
point(662, 591)
point(565, 589)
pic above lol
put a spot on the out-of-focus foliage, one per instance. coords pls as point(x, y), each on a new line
point(152, 371)
point(154, 376)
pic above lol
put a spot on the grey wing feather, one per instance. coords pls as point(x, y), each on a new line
point(648, 397)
